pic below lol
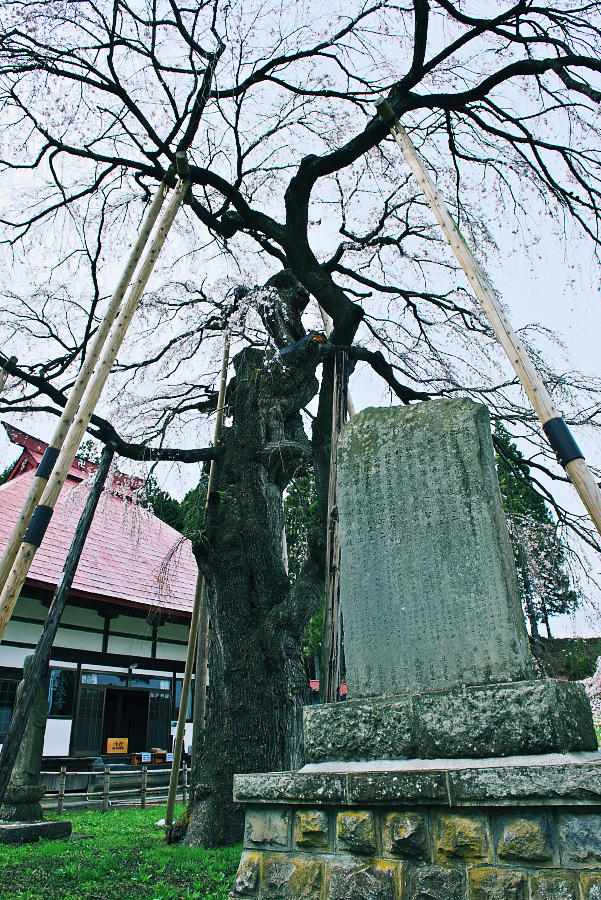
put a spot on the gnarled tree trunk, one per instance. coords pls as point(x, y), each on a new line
point(258, 683)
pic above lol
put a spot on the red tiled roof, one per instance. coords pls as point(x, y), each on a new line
point(34, 449)
point(130, 556)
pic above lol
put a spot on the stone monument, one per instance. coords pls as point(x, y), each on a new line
point(21, 816)
point(452, 772)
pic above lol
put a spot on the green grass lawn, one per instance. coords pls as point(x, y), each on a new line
point(124, 857)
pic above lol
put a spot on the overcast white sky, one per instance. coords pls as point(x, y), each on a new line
point(560, 292)
point(558, 288)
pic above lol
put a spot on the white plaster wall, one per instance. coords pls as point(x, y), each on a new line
point(76, 615)
point(130, 625)
point(188, 736)
point(23, 632)
point(170, 651)
point(175, 632)
point(13, 657)
point(133, 646)
point(80, 640)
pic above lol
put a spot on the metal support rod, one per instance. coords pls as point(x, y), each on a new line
point(41, 657)
point(553, 424)
point(199, 624)
point(81, 382)
point(43, 511)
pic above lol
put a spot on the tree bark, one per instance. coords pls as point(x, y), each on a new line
point(257, 680)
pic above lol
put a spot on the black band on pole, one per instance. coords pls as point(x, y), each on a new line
point(386, 112)
point(181, 164)
point(561, 440)
point(38, 525)
point(47, 462)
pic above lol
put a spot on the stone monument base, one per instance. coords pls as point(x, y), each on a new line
point(29, 832)
point(515, 718)
point(496, 829)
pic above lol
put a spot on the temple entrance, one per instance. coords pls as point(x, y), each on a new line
point(126, 716)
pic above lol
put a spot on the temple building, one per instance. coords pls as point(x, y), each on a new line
point(118, 658)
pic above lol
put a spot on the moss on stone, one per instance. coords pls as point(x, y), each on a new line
point(288, 877)
point(524, 839)
point(465, 837)
point(311, 829)
point(356, 832)
point(405, 834)
point(554, 886)
point(497, 884)
point(591, 886)
point(249, 875)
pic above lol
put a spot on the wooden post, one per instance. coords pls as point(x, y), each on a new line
point(185, 782)
point(329, 684)
point(62, 783)
point(143, 788)
point(555, 428)
point(350, 406)
point(83, 377)
point(198, 622)
point(41, 657)
point(43, 512)
point(106, 788)
point(200, 697)
point(5, 367)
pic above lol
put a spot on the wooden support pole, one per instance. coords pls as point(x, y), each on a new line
point(81, 382)
point(5, 369)
point(554, 426)
point(143, 787)
point(41, 657)
point(183, 705)
point(329, 685)
point(43, 511)
point(199, 624)
point(350, 406)
point(62, 785)
point(106, 788)
point(200, 697)
point(185, 782)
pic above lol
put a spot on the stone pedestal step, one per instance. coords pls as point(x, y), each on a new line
point(427, 765)
point(458, 830)
point(480, 785)
point(509, 719)
point(29, 832)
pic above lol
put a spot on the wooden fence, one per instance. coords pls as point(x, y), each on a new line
point(104, 788)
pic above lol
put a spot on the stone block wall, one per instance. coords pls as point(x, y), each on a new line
point(341, 853)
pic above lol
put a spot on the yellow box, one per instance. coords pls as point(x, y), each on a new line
point(116, 745)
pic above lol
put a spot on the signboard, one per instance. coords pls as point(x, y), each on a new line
point(116, 745)
point(146, 757)
point(173, 728)
point(169, 757)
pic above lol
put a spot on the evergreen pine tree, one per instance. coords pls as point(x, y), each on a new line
point(540, 555)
